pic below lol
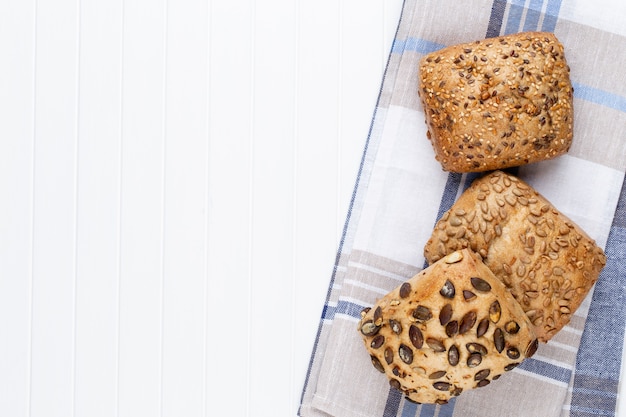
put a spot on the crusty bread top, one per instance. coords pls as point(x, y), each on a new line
point(450, 328)
point(548, 262)
point(497, 103)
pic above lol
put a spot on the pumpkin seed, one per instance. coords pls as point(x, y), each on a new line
point(445, 314)
point(378, 341)
point(495, 311)
point(498, 340)
point(405, 353)
point(405, 290)
point(395, 326)
point(377, 364)
point(480, 284)
point(416, 336)
point(453, 355)
point(422, 313)
point(447, 290)
point(369, 328)
point(467, 322)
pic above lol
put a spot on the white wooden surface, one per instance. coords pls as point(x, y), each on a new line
point(174, 178)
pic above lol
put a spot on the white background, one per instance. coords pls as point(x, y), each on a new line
point(174, 180)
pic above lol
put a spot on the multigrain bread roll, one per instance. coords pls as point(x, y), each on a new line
point(450, 328)
point(548, 263)
point(497, 103)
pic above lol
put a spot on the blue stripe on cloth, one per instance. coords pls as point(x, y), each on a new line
point(393, 403)
point(418, 45)
point(449, 193)
point(598, 96)
point(547, 370)
point(409, 409)
point(448, 409)
point(428, 410)
point(495, 19)
point(551, 15)
point(532, 15)
point(516, 9)
point(598, 362)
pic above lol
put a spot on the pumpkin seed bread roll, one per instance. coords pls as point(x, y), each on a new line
point(451, 328)
point(548, 263)
point(497, 103)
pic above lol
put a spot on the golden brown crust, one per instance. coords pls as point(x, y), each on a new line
point(497, 103)
point(450, 328)
point(548, 262)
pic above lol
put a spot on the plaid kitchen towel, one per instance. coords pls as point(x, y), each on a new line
point(401, 191)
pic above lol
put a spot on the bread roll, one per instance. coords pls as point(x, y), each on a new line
point(450, 328)
point(548, 263)
point(497, 103)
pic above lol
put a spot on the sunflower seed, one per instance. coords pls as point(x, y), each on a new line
point(454, 257)
point(455, 221)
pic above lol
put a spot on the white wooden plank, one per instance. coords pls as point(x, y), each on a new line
point(363, 52)
point(228, 250)
point(324, 184)
point(17, 21)
point(141, 263)
point(185, 209)
point(317, 169)
point(97, 263)
point(53, 287)
point(272, 221)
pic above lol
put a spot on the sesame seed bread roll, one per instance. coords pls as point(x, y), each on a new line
point(548, 263)
point(451, 328)
point(497, 103)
